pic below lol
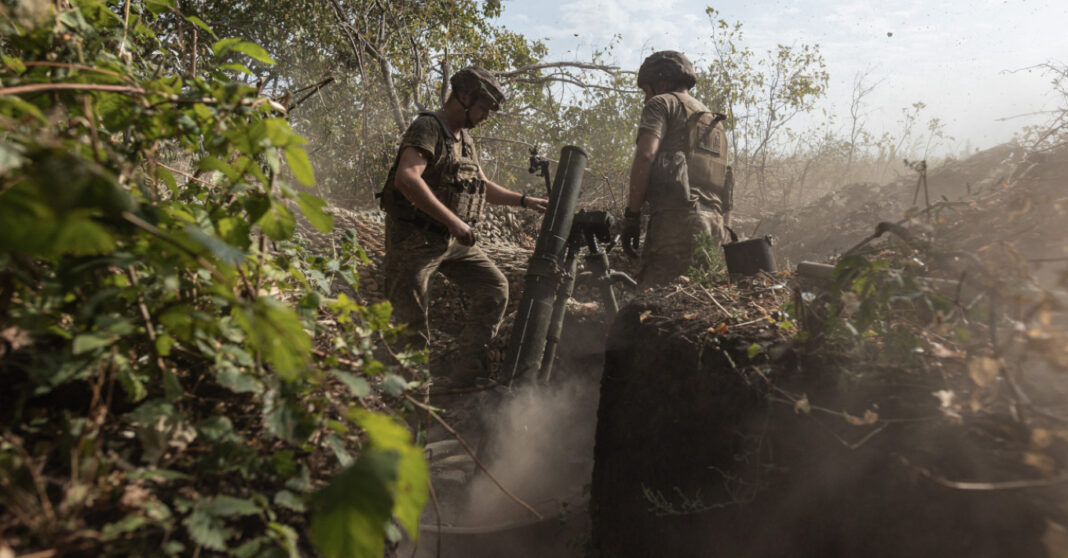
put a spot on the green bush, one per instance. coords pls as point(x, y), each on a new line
point(176, 372)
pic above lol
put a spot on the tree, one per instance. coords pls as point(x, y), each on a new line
point(760, 96)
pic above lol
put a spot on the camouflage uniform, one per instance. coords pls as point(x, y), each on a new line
point(674, 224)
point(417, 246)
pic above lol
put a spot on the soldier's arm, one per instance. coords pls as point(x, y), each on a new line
point(644, 153)
point(409, 181)
point(499, 195)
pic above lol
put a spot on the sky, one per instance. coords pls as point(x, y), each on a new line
point(964, 59)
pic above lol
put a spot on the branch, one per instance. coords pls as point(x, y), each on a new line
point(323, 82)
point(185, 174)
point(78, 67)
point(38, 87)
point(471, 452)
point(574, 81)
point(535, 67)
point(976, 485)
point(383, 65)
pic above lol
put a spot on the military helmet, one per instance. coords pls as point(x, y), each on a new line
point(668, 65)
point(475, 79)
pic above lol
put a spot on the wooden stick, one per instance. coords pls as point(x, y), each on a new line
point(471, 452)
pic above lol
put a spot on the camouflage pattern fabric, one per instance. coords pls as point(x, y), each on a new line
point(413, 255)
point(451, 172)
point(670, 242)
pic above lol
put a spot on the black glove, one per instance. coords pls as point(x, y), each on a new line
point(632, 232)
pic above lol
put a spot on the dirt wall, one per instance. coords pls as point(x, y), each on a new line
point(697, 454)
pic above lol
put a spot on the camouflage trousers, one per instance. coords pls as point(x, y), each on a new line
point(414, 254)
point(670, 241)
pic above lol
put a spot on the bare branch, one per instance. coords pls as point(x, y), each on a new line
point(535, 67)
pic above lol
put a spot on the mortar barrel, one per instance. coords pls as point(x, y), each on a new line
point(527, 344)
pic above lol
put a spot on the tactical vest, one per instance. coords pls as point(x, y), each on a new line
point(695, 174)
point(451, 173)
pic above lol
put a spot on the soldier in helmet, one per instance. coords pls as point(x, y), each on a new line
point(680, 169)
point(433, 199)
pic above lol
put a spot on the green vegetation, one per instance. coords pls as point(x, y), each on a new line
point(163, 390)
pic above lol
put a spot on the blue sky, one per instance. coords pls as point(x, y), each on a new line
point(956, 56)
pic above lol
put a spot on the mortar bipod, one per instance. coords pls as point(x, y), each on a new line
point(591, 228)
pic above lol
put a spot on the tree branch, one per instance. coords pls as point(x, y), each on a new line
point(540, 66)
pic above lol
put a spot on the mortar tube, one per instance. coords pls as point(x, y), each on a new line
point(556, 323)
point(527, 344)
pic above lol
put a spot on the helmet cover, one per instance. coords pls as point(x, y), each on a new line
point(478, 80)
point(670, 65)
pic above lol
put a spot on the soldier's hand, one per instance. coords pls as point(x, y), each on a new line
point(632, 232)
point(537, 204)
point(463, 233)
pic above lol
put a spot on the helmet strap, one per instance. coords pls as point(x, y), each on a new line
point(467, 110)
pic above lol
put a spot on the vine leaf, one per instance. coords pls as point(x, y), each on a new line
point(355, 507)
point(300, 165)
point(313, 210)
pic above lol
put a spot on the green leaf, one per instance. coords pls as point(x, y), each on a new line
point(200, 23)
point(216, 429)
point(754, 350)
point(88, 341)
point(159, 6)
point(358, 386)
point(410, 491)
point(254, 50)
point(237, 381)
point(378, 315)
point(234, 231)
point(300, 165)
point(14, 107)
point(128, 524)
point(133, 384)
point(287, 499)
point(228, 506)
point(312, 207)
point(354, 509)
point(216, 164)
point(278, 222)
point(394, 385)
point(235, 67)
point(275, 331)
point(222, 46)
point(13, 64)
point(82, 237)
point(207, 530)
point(226, 253)
point(168, 179)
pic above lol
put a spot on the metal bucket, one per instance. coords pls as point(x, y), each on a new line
point(748, 257)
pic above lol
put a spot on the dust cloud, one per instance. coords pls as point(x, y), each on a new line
point(540, 448)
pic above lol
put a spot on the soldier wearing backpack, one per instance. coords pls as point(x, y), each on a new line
point(680, 169)
point(433, 199)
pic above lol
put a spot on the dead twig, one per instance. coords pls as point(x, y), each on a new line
point(471, 452)
point(980, 485)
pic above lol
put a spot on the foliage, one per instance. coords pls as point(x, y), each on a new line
point(1053, 134)
point(709, 267)
point(160, 316)
point(761, 96)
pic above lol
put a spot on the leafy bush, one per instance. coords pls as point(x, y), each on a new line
point(177, 375)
